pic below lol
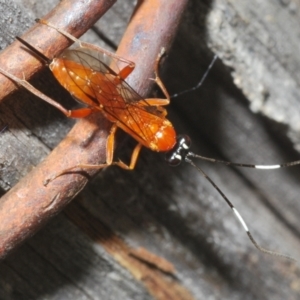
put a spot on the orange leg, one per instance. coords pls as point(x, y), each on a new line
point(157, 78)
point(126, 71)
point(80, 112)
point(109, 158)
point(157, 101)
point(76, 113)
point(133, 160)
point(110, 145)
point(154, 102)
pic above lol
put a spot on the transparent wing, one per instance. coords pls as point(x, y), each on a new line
point(98, 71)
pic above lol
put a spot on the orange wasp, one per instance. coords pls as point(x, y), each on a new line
point(93, 76)
point(96, 78)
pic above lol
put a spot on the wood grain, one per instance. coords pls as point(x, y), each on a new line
point(174, 213)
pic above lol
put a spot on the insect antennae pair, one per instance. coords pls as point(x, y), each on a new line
point(181, 153)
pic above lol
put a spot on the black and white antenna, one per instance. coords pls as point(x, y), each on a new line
point(181, 152)
point(200, 82)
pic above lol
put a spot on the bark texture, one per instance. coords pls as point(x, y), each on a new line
point(246, 111)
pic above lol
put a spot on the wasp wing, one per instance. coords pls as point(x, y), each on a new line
point(99, 71)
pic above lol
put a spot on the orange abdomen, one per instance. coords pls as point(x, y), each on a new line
point(106, 92)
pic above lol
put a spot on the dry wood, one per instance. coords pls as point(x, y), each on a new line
point(173, 213)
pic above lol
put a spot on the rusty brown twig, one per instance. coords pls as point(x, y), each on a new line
point(27, 206)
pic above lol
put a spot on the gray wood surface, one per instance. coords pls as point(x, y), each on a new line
point(246, 111)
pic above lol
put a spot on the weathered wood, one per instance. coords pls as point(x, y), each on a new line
point(174, 213)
